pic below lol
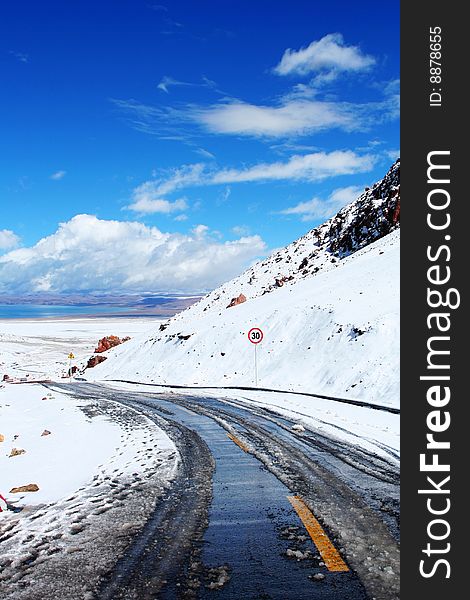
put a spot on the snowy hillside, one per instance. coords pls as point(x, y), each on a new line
point(327, 303)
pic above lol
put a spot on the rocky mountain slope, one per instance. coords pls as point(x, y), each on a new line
point(372, 216)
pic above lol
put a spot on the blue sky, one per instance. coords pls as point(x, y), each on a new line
point(206, 132)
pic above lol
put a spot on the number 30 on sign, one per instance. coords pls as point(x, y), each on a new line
point(255, 335)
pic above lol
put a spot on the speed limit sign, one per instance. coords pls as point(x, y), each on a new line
point(255, 335)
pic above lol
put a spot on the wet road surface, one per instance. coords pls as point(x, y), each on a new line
point(228, 528)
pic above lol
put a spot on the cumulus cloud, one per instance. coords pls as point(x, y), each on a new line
point(58, 175)
point(316, 208)
point(329, 56)
point(90, 254)
point(8, 239)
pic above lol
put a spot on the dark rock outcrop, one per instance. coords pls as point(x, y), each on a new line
point(110, 341)
point(373, 215)
point(95, 360)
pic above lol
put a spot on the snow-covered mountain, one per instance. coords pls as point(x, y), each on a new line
point(327, 304)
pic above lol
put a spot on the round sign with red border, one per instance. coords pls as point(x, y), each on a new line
point(255, 335)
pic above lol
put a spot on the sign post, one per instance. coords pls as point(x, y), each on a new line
point(70, 357)
point(255, 335)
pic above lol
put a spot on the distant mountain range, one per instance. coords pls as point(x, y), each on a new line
point(90, 299)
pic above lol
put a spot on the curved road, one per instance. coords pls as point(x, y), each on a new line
point(259, 510)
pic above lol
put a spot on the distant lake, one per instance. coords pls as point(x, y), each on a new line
point(38, 311)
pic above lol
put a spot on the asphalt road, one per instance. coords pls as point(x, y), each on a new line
point(258, 510)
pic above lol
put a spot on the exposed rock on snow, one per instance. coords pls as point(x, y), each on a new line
point(17, 452)
point(95, 360)
point(237, 300)
point(42, 347)
point(31, 487)
point(110, 341)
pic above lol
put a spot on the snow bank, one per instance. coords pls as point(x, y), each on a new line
point(100, 473)
point(82, 442)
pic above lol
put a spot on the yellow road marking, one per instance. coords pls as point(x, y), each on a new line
point(239, 443)
point(328, 552)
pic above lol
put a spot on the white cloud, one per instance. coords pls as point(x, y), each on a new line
point(241, 230)
point(181, 177)
point(315, 166)
point(293, 117)
point(58, 175)
point(393, 154)
point(328, 56)
point(205, 153)
point(298, 113)
point(146, 201)
point(224, 195)
point(307, 167)
point(90, 254)
point(200, 230)
point(317, 208)
point(20, 56)
point(8, 239)
point(166, 82)
point(148, 197)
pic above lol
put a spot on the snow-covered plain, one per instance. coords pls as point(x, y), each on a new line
point(81, 435)
point(39, 348)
